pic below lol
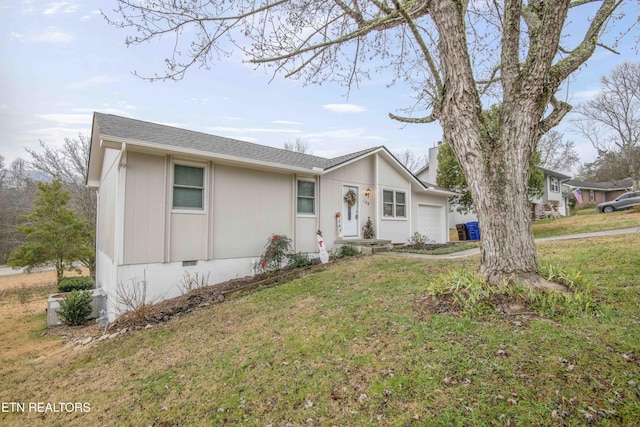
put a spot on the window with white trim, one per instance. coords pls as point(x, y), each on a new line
point(306, 197)
point(188, 187)
point(555, 185)
point(394, 204)
point(592, 196)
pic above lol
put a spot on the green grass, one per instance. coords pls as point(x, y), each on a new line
point(586, 221)
point(459, 247)
point(345, 347)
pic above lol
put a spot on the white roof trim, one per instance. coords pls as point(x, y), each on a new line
point(208, 155)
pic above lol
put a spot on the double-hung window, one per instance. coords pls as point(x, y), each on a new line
point(555, 186)
point(188, 187)
point(394, 204)
point(306, 197)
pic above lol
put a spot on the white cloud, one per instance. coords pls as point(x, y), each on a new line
point(197, 101)
point(60, 7)
point(286, 122)
point(50, 35)
point(344, 108)
point(250, 130)
point(91, 82)
point(67, 119)
point(584, 95)
point(90, 15)
point(351, 134)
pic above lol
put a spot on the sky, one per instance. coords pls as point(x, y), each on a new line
point(61, 61)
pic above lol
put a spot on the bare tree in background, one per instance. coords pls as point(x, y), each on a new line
point(3, 172)
point(410, 160)
point(557, 154)
point(70, 164)
point(17, 194)
point(455, 54)
point(299, 146)
point(611, 122)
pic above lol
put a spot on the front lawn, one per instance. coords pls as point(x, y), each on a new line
point(346, 346)
point(587, 221)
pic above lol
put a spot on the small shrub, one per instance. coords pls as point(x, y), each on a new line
point(275, 253)
point(299, 260)
point(75, 308)
point(347, 250)
point(136, 306)
point(418, 239)
point(635, 209)
point(189, 283)
point(24, 294)
point(70, 284)
point(367, 231)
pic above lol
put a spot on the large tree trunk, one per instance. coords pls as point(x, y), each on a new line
point(494, 152)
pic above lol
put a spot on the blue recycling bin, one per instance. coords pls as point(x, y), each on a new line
point(473, 231)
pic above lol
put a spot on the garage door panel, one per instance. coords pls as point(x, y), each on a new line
point(431, 223)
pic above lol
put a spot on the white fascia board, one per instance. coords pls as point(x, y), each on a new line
point(348, 162)
point(164, 149)
point(447, 193)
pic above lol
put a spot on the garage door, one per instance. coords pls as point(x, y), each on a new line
point(431, 223)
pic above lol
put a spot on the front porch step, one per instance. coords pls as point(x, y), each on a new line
point(367, 246)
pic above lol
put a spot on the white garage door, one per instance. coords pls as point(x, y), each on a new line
point(431, 223)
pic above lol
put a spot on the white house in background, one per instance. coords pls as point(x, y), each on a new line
point(172, 200)
point(553, 191)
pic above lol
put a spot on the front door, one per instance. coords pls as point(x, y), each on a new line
point(350, 211)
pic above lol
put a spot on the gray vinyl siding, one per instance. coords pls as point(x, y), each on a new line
point(397, 230)
point(145, 208)
point(107, 204)
point(249, 206)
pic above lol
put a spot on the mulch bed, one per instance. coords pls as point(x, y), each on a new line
point(206, 296)
point(428, 247)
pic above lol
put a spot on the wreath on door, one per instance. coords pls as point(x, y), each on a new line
point(350, 198)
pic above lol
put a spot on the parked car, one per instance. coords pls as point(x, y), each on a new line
point(624, 201)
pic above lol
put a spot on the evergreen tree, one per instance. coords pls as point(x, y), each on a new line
point(54, 233)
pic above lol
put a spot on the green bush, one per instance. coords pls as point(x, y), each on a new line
point(75, 308)
point(299, 260)
point(70, 284)
point(347, 250)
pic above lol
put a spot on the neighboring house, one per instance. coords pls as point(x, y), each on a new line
point(598, 192)
point(554, 193)
point(172, 201)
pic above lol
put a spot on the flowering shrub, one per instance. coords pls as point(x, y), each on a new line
point(275, 253)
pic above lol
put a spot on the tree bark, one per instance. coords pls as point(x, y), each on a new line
point(495, 157)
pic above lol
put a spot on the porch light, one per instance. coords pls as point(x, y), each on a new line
point(367, 192)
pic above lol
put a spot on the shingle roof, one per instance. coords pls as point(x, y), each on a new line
point(138, 130)
point(621, 184)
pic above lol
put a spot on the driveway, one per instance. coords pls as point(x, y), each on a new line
point(8, 271)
